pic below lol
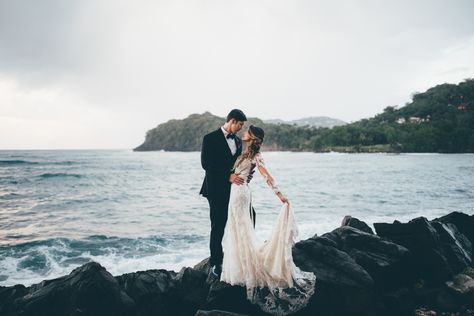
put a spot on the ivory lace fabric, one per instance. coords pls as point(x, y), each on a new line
point(266, 269)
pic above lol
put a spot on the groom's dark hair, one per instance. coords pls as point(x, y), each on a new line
point(236, 114)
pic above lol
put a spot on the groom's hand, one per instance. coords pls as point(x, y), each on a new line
point(234, 178)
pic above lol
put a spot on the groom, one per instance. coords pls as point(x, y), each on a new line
point(219, 152)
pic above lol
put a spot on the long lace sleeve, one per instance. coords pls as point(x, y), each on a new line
point(264, 172)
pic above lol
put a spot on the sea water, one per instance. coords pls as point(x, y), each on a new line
point(133, 211)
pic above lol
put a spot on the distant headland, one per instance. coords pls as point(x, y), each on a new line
point(439, 120)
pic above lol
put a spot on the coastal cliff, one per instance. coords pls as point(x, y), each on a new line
point(421, 267)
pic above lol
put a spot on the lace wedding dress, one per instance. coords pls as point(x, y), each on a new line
point(266, 269)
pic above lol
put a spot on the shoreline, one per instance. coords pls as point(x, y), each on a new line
point(335, 149)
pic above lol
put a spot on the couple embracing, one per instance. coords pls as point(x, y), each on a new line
point(238, 257)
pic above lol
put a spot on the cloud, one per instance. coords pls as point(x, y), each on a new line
point(145, 62)
point(37, 40)
point(452, 65)
point(38, 118)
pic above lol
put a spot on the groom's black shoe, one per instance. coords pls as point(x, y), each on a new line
point(216, 270)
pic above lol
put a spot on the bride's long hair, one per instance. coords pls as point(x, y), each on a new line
point(253, 148)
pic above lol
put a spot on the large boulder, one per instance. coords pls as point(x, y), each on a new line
point(343, 287)
point(438, 251)
point(8, 295)
point(385, 261)
point(162, 292)
point(222, 296)
point(191, 291)
point(463, 222)
point(151, 290)
point(87, 290)
point(356, 223)
point(455, 246)
point(233, 298)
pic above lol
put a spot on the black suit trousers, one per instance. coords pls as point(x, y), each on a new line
point(218, 215)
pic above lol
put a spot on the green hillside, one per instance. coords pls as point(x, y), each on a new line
point(186, 134)
point(438, 120)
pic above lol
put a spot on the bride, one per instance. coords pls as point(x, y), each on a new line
point(266, 269)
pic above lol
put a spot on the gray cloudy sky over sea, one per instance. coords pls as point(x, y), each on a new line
point(100, 73)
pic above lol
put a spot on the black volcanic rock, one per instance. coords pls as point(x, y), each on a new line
point(166, 292)
point(88, 290)
point(399, 302)
point(224, 296)
point(191, 291)
point(406, 267)
point(343, 287)
point(463, 222)
point(150, 290)
point(216, 313)
point(356, 223)
point(8, 295)
point(385, 261)
point(461, 289)
point(233, 298)
point(438, 251)
point(456, 247)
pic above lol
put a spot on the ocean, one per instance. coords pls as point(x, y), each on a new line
point(133, 211)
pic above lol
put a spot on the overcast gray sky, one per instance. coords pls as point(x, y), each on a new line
point(100, 73)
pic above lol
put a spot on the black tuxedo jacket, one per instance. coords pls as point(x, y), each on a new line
point(217, 160)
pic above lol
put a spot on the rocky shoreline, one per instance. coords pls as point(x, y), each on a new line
point(417, 268)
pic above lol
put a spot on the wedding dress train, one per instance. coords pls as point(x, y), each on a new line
point(266, 269)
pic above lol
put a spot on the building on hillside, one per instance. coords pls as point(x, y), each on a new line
point(419, 119)
point(414, 119)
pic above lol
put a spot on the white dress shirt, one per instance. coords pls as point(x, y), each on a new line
point(230, 141)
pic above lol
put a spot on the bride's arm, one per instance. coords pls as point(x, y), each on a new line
point(268, 178)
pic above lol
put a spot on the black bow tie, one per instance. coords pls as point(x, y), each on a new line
point(230, 135)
